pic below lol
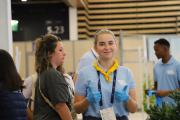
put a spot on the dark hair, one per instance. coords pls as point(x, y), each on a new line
point(61, 69)
point(46, 45)
point(9, 77)
point(162, 41)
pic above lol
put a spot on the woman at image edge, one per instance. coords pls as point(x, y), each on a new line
point(12, 101)
point(105, 84)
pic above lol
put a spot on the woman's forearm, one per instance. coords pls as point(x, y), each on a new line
point(132, 105)
point(80, 104)
point(63, 111)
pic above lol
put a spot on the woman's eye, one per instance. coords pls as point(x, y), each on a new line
point(101, 44)
point(111, 43)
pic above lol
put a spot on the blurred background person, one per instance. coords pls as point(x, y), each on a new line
point(166, 71)
point(87, 59)
point(12, 101)
point(29, 86)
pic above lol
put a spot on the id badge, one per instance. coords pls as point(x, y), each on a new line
point(108, 114)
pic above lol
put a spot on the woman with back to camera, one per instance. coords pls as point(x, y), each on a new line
point(12, 102)
point(52, 99)
point(105, 87)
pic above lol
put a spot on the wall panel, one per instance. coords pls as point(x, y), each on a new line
point(130, 16)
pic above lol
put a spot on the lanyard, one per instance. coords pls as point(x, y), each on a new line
point(113, 88)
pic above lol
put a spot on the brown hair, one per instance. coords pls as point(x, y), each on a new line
point(9, 77)
point(44, 47)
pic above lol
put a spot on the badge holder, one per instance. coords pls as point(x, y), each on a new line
point(108, 114)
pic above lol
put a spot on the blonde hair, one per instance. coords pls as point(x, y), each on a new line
point(103, 31)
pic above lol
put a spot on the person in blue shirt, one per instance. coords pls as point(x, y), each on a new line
point(166, 71)
point(105, 85)
point(87, 59)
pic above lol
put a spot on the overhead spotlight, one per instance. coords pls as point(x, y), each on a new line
point(24, 0)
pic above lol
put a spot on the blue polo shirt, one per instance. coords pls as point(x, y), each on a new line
point(89, 73)
point(87, 59)
point(167, 76)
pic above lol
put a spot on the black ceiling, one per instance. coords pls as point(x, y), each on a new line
point(36, 1)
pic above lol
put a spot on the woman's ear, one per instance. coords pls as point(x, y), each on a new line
point(50, 55)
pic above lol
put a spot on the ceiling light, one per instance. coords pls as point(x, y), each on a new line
point(24, 0)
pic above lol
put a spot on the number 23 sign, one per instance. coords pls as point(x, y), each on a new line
point(54, 27)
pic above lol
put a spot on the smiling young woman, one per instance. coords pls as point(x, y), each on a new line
point(105, 85)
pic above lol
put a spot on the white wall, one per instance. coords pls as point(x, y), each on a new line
point(5, 26)
point(174, 41)
point(73, 31)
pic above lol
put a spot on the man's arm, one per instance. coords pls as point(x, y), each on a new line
point(163, 93)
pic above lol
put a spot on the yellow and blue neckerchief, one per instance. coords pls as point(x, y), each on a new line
point(107, 74)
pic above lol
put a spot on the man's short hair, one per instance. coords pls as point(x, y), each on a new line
point(162, 41)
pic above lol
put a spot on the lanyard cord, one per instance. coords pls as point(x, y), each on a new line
point(113, 87)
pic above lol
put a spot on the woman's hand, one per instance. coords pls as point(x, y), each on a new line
point(93, 96)
point(122, 95)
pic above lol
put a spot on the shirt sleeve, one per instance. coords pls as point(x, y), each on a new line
point(81, 84)
point(27, 91)
point(83, 62)
point(57, 88)
point(178, 73)
point(154, 74)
